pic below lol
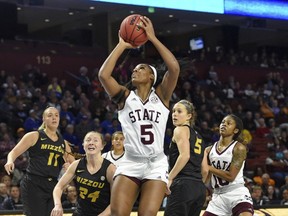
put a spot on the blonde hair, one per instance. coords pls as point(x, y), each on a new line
point(190, 110)
point(43, 126)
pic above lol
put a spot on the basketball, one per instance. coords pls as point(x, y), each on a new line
point(131, 32)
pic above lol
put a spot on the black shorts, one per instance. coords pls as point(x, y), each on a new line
point(37, 195)
point(186, 199)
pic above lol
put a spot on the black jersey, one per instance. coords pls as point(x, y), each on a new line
point(193, 167)
point(94, 189)
point(46, 156)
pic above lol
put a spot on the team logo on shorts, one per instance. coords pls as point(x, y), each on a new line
point(63, 145)
point(154, 99)
point(102, 178)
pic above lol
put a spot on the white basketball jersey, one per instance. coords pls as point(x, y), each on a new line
point(222, 160)
point(143, 124)
point(115, 159)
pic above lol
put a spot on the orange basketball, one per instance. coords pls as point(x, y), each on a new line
point(131, 31)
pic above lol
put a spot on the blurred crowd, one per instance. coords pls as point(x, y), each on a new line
point(262, 106)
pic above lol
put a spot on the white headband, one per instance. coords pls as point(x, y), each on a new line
point(155, 73)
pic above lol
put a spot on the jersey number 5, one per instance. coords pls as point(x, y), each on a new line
point(147, 136)
point(197, 147)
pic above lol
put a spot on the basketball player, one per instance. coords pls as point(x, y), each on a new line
point(143, 115)
point(48, 153)
point(186, 188)
point(93, 177)
point(225, 163)
point(117, 152)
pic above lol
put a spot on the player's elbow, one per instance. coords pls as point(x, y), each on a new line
point(185, 157)
point(101, 75)
point(104, 73)
point(175, 68)
point(230, 178)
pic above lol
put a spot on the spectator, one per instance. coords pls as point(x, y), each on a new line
point(272, 195)
point(284, 186)
point(199, 97)
point(42, 102)
point(206, 132)
point(275, 107)
point(284, 200)
point(71, 137)
point(258, 172)
point(251, 103)
point(265, 109)
point(10, 83)
point(20, 111)
point(107, 124)
point(54, 88)
point(283, 139)
point(53, 101)
point(108, 142)
point(262, 130)
point(83, 79)
point(82, 101)
point(95, 83)
point(3, 76)
point(213, 81)
point(71, 198)
point(64, 87)
point(228, 92)
point(96, 125)
point(83, 127)
point(186, 91)
point(14, 199)
point(3, 192)
point(66, 113)
point(7, 143)
point(249, 92)
point(24, 94)
point(265, 182)
point(68, 97)
point(257, 196)
point(278, 166)
point(33, 122)
point(248, 122)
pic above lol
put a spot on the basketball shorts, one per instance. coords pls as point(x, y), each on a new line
point(225, 203)
point(153, 168)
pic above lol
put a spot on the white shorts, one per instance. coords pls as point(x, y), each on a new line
point(154, 168)
point(223, 203)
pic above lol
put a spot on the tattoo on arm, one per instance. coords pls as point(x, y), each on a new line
point(238, 157)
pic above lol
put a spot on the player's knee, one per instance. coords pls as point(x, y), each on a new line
point(120, 211)
point(147, 212)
